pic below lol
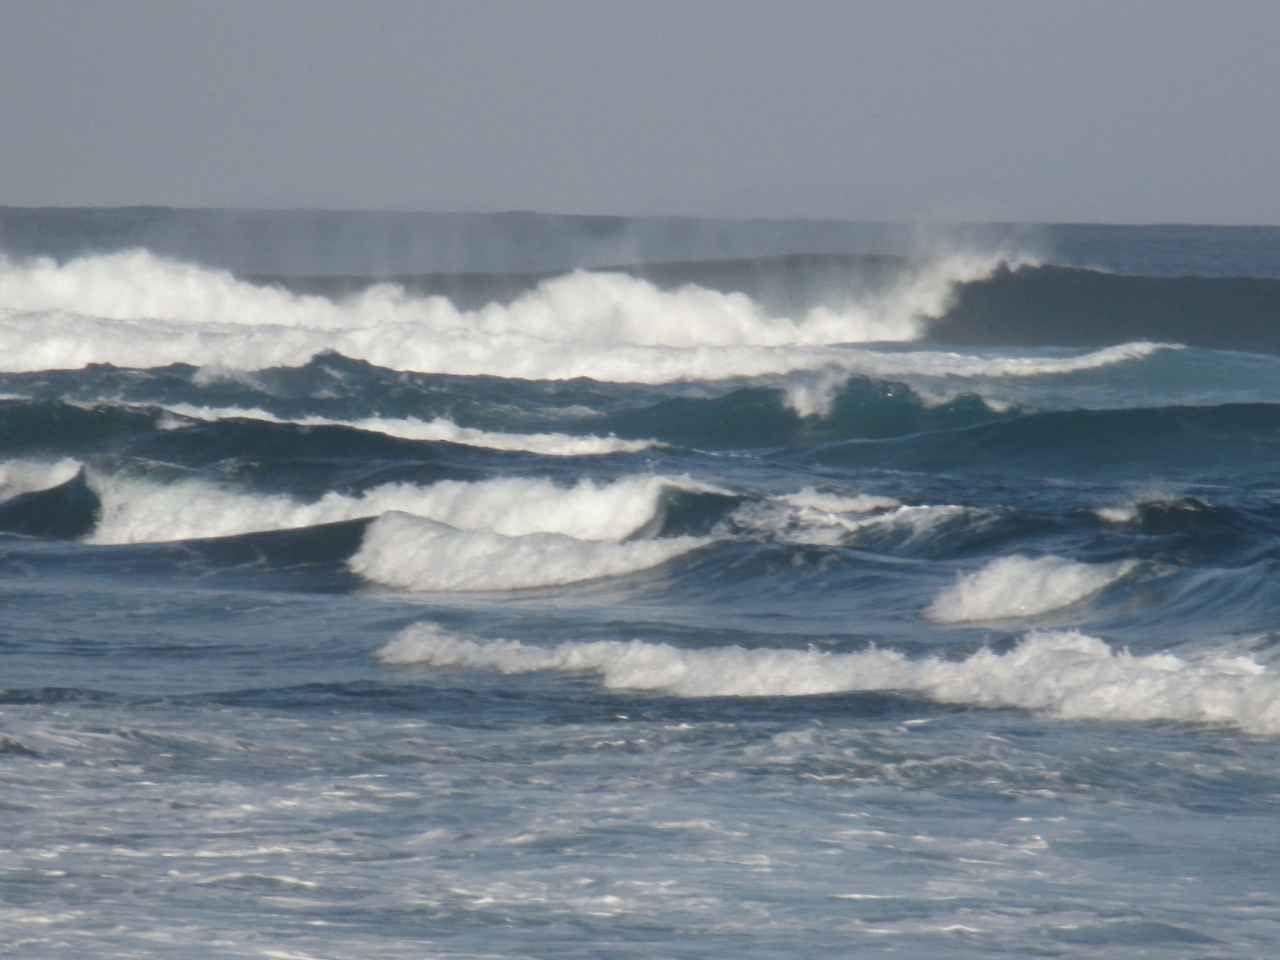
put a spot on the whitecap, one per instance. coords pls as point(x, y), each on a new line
point(413, 553)
point(137, 510)
point(1065, 674)
point(1018, 586)
point(134, 309)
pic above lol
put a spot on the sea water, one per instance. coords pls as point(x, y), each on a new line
point(610, 613)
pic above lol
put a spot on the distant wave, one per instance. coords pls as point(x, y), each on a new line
point(1019, 302)
point(1071, 307)
point(1066, 674)
point(136, 310)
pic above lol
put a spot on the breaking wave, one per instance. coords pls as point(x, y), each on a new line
point(1065, 674)
point(413, 553)
point(1020, 586)
point(502, 534)
point(134, 309)
point(27, 476)
point(143, 511)
point(824, 519)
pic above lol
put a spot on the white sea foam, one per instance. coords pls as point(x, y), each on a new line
point(27, 476)
point(1130, 510)
point(137, 310)
point(1122, 514)
point(500, 534)
point(140, 511)
point(440, 428)
point(413, 553)
point(1066, 674)
point(1018, 586)
point(823, 519)
point(811, 499)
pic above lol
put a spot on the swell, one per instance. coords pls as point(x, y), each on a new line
point(1136, 564)
point(1072, 307)
point(296, 457)
point(755, 417)
point(272, 428)
point(35, 425)
point(1219, 442)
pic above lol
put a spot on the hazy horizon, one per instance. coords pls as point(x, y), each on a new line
point(229, 208)
point(983, 111)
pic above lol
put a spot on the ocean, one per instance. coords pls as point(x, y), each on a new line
point(408, 586)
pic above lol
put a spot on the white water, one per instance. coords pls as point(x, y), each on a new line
point(440, 428)
point(606, 307)
point(133, 309)
point(1019, 586)
point(27, 476)
point(413, 553)
point(822, 519)
point(142, 511)
point(500, 534)
point(1066, 674)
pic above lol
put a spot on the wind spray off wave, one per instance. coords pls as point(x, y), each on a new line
point(134, 309)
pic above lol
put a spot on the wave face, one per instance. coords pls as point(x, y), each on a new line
point(812, 604)
point(1069, 306)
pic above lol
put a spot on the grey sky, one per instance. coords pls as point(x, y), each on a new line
point(1130, 111)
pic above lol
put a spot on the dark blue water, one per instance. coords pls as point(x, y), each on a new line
point(836, 605)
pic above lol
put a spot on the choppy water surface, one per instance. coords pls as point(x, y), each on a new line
point(625, 615)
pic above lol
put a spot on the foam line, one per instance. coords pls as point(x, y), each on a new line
point(440, 429)
point(1065, 674)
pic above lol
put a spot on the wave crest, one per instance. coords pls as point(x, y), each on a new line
point(413, 553)
point(1018, 586)
point(134, 309)
point(1065, 674)
point(142, 511)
